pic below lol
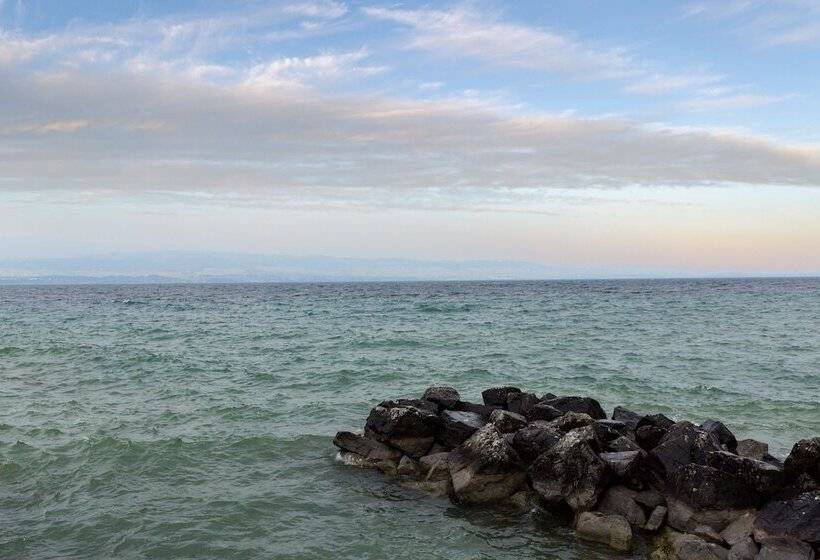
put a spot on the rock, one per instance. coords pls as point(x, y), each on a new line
point(364, 446)
point(445, 397)
point(352, 459)
point(541, 411)
point(752, 449)
point(626, 416)
point(421, 404)
point(497, 396)
point(691, 547)
point(804, 459)
point(708, 534)
point(612, 530)
point(620, 500)
point(650, 498)
point(656, 420)
point(435, 466)
point(785, 549)
point(798, 517)
point(585, 405)
point(611, 429)
point(724, 436)
point(524, 500)
point(481, 409)
point(506, 421)
point(705, 487)
point(684, 444)
point(745, 549)
point(388, 466)
point(535, 438)
point(413, 446)
point(634, 469)
point(739, 529)
point(572, 420)
point(760, 477)
point(457, 426)
point(408, 467)
point(391, 420)
point(622, 444)
point(484, 468)
point(683, 517)
point(656, 519)
point(648, 437)
point(570, 471)
point(521, 403)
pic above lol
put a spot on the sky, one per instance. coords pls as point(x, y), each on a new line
point(596, 135)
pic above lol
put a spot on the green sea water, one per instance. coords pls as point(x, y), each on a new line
point(195, 421)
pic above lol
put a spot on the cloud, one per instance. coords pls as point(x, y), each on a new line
point(299, 71)
point(663, 83)
point(733, 101)
point(322, 10)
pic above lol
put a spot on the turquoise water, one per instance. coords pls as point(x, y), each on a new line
point(196, 421)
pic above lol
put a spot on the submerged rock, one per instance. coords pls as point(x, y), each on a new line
point(612, 530)
point(364, 446)
point(691, 547)
point(485, 468)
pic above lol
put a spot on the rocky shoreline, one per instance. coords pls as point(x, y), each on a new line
point(693, 491)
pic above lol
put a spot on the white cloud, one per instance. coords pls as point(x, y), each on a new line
point(663, 83)
point(322, 10)
point(732, 101)
point(299, 71)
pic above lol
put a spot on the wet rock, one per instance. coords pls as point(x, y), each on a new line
point(507, 422)
point(457, 426)
point(413, 446)
point(585, 405)
point(481, 409)
point(655, 420)
point(648, 437)
point(752, 449)
point(798, 518)
point(804, 459)
point(442, 487)
point(620, 500)
point(634, 469)
point(684, 444)
point(691, 547)
point(705, 487)
point(650, 498)
point(352, 459)
point(739, 529)
point(521, 403)
point(388, 466)
point(435, 466)
point(392, 419)
point(763, 478)
point(570, 471)
point(656, 519)
point(535, 438)
point(445, 397)
point(785, 549)
point(612, 530)
point(745, 549)
point(708, 534)
point(541, 411)
point(611, 429)
point(364, 446)
point(622, 444)
point(485, 468)
point(497, 396)
point(524, 500)
point(685, 518)
point(626, 416)
point(407, 467)
point(724, 436)
point(572, 420)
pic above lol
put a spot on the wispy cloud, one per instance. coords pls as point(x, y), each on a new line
point(664, 83)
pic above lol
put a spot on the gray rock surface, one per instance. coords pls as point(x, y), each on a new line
point(612, 530)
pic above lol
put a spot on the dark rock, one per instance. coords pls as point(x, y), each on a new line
point(507, 422)
point(785, 549)
point(445, 397)
point(760, 477)
point(541, 411)
point(683, 444)
point(648, 437)
point(481, 409)
point(392, 419)
point(804, 459)
point(497, 396)
point(739, 529)
point(622, 444)
point(457, 426)
point(535, 438)
point(705, 487)
point(626, 416)
point(634, 469)
point(484, 468)
point(435, 466)
point(521, 403)
point(798, 518)
point(650, 498)
point(586, 405)
point(752, 449)
point(421, 404)
point(620, 500)
point(656, 519)
point(570, 471)
point(352, 459)
point(364, 446)
point(413, 446)
point(611, 429)
point(612, 530)
point(724, 436)
point(656, 420)
point(573, 420)
point(388, 466)
point(548, 396)
point(745, 549)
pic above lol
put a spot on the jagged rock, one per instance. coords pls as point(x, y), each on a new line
point(457, 426)
point(622, 444)
point(407, 467)
point(708, 534)
point(611, 429)
point(785, 549)
point(626, 416)
point(570, 471)
point(364, 446)
point(507, 422)
point(752, 449)
point(648, 437)
point(392, 419)
point(586, 405)
point(413, 446)
point(485, 468)
point(497, 396)
point(804, 459)
point(683, 517)
point(634, 469)
point(421, 404)
point(481, 409)
point(684, 444)
point(798, 518)
point(739, 529)
point(691, 547)
point(572, 420)
point(724, 436)
point(435, 466)
point(763, 478)
point(541, 411)
point(745, 549)
point(445, 397)
point(620, 500)
point(612, 530)
point(705, 487)
point(656, 519)
point(521, 403)
point(535, 438)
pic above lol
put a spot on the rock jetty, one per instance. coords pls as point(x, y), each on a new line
point(694, 492)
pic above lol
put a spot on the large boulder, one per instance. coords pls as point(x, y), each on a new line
point(521, 403)
point(507, 422)
point(534, 439)
point(541, 411)
point(684, 444)
point(366, 447)
point(497, 396)
point(457, 426)
point(445, 397)
point(570, 471)
point(655, 420)
point(572, 420)
point(622, 444)
point(481, 409)
point(804, 459)
point(724, 436)
point(798, 518)
point(612, 530)
point(634, 469)
point(586, 405)
point(760, 477)
point(485, 468)
point(752, 449)
point(435, 466)
point(705, 487)
point(626, 416)
point(405, 425)
point(620, 500)
point(648, 437)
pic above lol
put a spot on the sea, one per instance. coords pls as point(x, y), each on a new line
point(196, 421)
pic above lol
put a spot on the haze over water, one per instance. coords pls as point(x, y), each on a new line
point(195, 421)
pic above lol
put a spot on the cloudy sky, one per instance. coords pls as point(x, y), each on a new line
point(610, 134)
